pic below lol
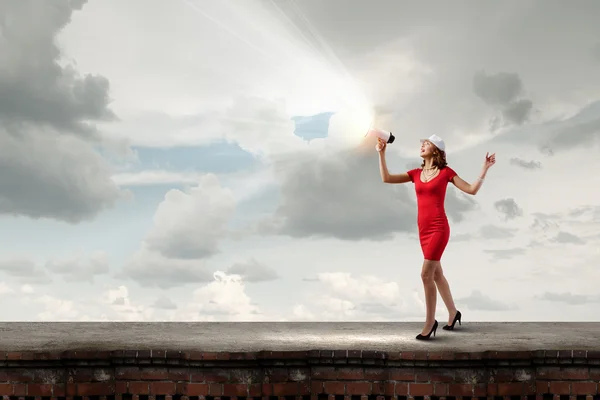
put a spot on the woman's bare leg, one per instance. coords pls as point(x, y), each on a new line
point(427, 275)
point(444, 288)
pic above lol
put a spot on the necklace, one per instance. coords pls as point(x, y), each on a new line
point(429, 176)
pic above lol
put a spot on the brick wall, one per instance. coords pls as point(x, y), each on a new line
point(310, 375)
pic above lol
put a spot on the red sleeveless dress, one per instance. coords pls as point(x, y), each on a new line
point(434, 230)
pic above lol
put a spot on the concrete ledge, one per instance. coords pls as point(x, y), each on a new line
point(298, 362)
point(295, 336)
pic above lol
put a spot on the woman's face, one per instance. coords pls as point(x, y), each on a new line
point(427, 149)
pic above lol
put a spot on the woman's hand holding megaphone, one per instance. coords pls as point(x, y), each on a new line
point(381, 145)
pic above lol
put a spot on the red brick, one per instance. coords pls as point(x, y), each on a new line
point(595, 374)
point(215, 389)
point(163, 388)
point(420, 389)
point(578, 374)
point(59, 390)
point(388, 388)
point(479, 389)
point(20, 376)
point(402, 374)
point(334, 387)
point(39, 389)
point(13, 355)
point(442, 376)
point(254, 390)
point(401, 389)
point(340, 354)
point(349, 374)
point(235, 389)
point(354, 388)
point(510, 389)
point(440, 389)
point(584, 388)
point(375, 374)
point(6, 388)
point(20, 389)
point(407, 355)
point(421, 355)
point(128, 373)
point(71, 389)
point(441, 355)
point(286, 389)
point(326, 373)
point(492, 389)
point(178, 374)
point(550, 373)
point(215, 376)
point(95, 389)
point(193, 389)
point(120, 388)
point(458, 389)
point(139, 388)
point(157, 374)
point(316, 387)
point(542, 387)
point(560, 387)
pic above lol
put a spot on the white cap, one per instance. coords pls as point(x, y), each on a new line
point(437, 141)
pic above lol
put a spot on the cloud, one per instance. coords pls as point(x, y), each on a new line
point(505, 254)
point(164, 303)
point(47, 116)
point(566, 237)
point(189, 224)
point(509, 208)
point(345, 296)
point(223, 299)
point(151, 269)
point(519, 162)
point(253, 271)
point(496, 232)
point(502, 90)
point(479, 301)
point(340, 196)
point(458, 203)
point(569, 298)
point(77, 270)
point(25, 270)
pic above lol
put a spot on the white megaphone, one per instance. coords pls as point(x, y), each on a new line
point(381, 134)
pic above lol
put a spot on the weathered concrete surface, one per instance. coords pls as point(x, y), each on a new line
point(278, 336)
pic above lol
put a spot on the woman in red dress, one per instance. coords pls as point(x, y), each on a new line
point(430, 183)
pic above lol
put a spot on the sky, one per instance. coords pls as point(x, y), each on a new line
point(193, 160)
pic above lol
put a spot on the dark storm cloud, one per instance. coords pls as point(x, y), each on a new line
point(47, 115)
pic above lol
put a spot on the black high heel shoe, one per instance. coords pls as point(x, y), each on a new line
point(428, 336)
point(457, 317)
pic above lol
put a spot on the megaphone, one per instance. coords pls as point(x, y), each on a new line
point(381, 134)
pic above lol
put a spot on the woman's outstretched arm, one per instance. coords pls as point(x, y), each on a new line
point(383, 169)
point(473, 188)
